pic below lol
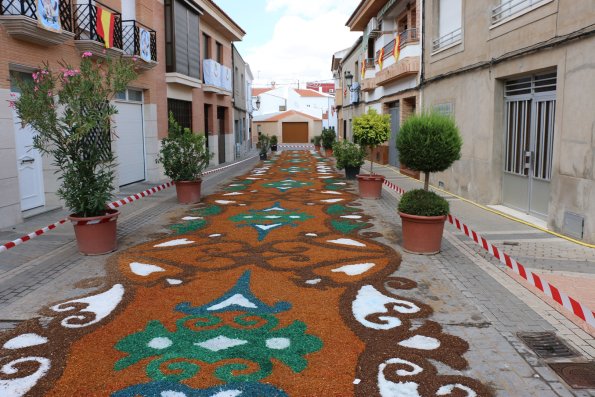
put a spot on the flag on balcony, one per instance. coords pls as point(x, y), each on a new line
point(363, 68)
point(48, 15)
point(145, 44)
point(381, 58)
point(397, 50)
point(105, 26)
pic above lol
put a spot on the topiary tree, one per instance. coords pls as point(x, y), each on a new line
point(429, 142)
point(370, 130)
point(328, 137)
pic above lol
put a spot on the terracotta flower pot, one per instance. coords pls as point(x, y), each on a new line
point(351, 172)
point(96, 235)
point(317, 148)
point(370, 186)
point(188, 191)
point(422, 234)
point(328, 152)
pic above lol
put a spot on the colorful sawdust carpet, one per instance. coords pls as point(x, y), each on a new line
point(271, 287)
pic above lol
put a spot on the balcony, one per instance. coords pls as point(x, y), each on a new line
point(20, 19)
point(448, 40)
point(368, 84)
point(139, 42)
point(217, 78)
point(86, 38)
point(407, 37)
point(405, 67)
point(509, 9)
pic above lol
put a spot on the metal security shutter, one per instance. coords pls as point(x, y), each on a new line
point(181, 37)
point(295, 133)
point(193, 46)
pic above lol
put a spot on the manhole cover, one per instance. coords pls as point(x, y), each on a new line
point(546, 344)
point(577, 375)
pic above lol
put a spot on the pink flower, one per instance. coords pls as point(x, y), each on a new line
point(36, 88)
point(44, 72)
point(87, 54)
point(134, 58)
point(49, 93)
point(13, 95)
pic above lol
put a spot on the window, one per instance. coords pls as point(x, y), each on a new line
point(449, 24)
point(206, 47)
point(182, 111)
point(19, 76)
point(220, 53)
point(182, 49)
point(508, 8)
point(130, 95)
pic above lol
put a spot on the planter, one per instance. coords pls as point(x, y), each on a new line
point(274, 148)
point(422, 234)
point(96, 235)
point(188, 191)
point(351, 172)
point(317, 148)
point(328, 152)
point(370, 186)
point(263, 156)
point(409, 172)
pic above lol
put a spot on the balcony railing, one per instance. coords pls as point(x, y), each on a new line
point(28, 8)
point(85, 22)
point(511, 7)
point(131, 39)
point(408, 36)
point(370, 63)
point(448, 39)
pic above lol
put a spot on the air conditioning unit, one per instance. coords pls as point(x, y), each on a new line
point(373, 27)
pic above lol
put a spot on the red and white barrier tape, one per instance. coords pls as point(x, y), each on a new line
point(569, 303)
point(289, 146)
point(113, 205)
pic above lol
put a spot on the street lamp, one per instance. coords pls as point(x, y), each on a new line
point(348, 79)
point(257, 102)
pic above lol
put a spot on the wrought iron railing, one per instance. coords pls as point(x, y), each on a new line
point(131, 38)
point(370, 63)
point(448, 39)
point(511, 7)
point(408, 36)
point(28, 8)
point(85, 22)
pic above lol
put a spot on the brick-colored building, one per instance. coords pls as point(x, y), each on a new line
point(28, 181)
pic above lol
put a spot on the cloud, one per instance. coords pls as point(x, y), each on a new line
point(304, 40)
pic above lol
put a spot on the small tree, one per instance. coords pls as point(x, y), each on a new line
point(370, 130)
point(70, 111)
point(183, 153)
point(429, 142)
point(328, 137)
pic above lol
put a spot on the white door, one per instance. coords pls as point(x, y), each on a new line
point(29, 165)
point(129, 142)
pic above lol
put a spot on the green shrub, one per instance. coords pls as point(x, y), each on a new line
point(423, 203)
point(265, 143)
point(429, 142)
point(328, 137)
point(348, 154)
point(371, 129)
point(316, 140)
point(70, 110)
point(183, 153)
point(274, 140)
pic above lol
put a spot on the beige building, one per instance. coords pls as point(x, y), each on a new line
point(385, 69)
point(290, 126)
point(518, 77)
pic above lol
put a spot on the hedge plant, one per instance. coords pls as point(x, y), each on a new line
point(348, 154)
point(328, 137)
point(423, 203)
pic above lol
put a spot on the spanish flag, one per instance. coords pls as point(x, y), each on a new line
point(381, 58)
point(363, 68)
point(397, 50)
point(105, 26)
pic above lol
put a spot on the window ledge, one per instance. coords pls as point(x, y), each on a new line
point(519, 14)
point(179, 78)
point(446, 47)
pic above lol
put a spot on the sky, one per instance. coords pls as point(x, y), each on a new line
point(291, 40)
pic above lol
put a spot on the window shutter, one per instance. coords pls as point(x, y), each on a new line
point(193, 46)
point(181, 34)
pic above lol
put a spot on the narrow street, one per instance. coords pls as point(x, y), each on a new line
point(280, 282)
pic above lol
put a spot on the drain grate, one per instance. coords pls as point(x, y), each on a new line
point(577, 375)
point(546, 344)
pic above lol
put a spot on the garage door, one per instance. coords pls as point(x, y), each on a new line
point(295, 133)
point(129, 142)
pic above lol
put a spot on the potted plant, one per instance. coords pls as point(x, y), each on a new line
point(428, 142)
point(265, 143)
point(350, 156)
point(328, 137)
point(370, 130)
point(70, 111)
point(274, 143)
point(316, 141)
point(184, 156)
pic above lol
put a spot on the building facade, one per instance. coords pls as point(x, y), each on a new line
point(518, 77)
point(28, 182)
point(199, 71)
point(388, 63)
point(241, 126)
